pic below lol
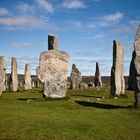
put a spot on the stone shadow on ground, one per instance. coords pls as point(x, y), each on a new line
point(100, 105)
point(25, 99)
point(87, 96)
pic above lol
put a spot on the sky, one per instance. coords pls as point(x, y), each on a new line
point(85, 29)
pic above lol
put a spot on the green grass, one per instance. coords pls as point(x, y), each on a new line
point(88, 114)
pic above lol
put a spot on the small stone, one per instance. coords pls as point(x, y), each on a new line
point(75, 77)
point(83, 85)
point(27, 78)
point(97, 78)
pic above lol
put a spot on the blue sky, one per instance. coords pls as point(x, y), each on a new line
point(85, 29)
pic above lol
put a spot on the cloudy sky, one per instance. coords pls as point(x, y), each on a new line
point(85, 28)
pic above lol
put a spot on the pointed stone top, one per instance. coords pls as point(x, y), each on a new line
point(73, 66)
point(52, 42)
point(97, 71)
point(138, 33)
point(116, 43)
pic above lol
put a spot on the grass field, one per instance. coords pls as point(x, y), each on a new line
point(83, 115)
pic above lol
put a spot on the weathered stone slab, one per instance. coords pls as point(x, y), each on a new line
point(97, 78)
point(27, 77)
point(134, 71)
point(117, 70)
point(14, 75)
point(52, 71)
point(2, 74)
point(52, 42)
point(75, 77)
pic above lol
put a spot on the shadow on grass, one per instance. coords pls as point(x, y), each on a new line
point(25, 99)
point(87, 96)
point(100, 105)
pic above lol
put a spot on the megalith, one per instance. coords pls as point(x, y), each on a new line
point(75, 77)
point(97, 78)
point(134, 71)
point(27, 77)
point(52, 42)
point(117, 70)
point(53, 70)
point(2, 74)
point(14, 75)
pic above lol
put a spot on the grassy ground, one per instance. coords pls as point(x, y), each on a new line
point(84, 115)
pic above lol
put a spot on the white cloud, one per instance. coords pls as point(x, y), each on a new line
point(45, 5)
point(23, 22)
point(22, 45)
point(73, 4)
point(116, 17)
point(25, 7)
point(3, 12)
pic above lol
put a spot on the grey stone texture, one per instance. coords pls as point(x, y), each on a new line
point(27, 78)
point(52, 42)
point(14, 75)
point(134, 65)
point(117, 70)
point(52, 71)
point(134, 71)
point(75, 77)
point(83, 85)
point(97, 78)
point(2, 74)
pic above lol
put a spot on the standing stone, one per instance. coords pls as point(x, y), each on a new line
point(134, 71)
point(52, 71)
point(2, 74)
point(14, 75)
point(97, 78)
point(27, 77)
point(52, 42)
point(33, 84)
point(117, 78)
point(75, 77)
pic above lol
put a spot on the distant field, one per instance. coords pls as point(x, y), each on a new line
point(83, 115)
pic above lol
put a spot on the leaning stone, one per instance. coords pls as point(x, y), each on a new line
point(75, 77)
point(27, 78)
point(97, 78)
point(117, 78)
point(14, 75)
point(52, 71)
point(2, 74)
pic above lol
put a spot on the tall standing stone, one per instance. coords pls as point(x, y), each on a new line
point(27, 78)
point(134, 71)
point(14, 75)
point(97, 78)
point(52, 42)
point(117, 78)
point(2, 74)
point(53, 70)
point(75, 77)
